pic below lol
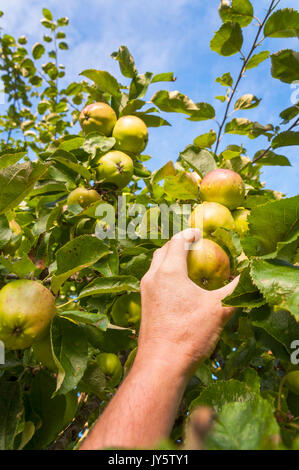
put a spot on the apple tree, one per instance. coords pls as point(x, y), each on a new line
point(69, 230)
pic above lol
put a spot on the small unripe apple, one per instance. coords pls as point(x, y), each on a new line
point(292, 381)
point(115, 167)
point(83, 196)
point(15, 241)
point(111, 366)
point(26, 310)
point(223, 186)
point(98, 117)
point(240, 216)
point(208, 264)
point(131, 134)
point(127, 309)
point(209, 216)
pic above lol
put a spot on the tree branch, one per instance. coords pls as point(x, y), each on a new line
point(71, 432)
point(243, 68)
point(296, 123)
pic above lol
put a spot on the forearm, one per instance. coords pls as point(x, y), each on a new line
point(144, 408)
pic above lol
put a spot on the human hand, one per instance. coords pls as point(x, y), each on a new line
point(180, 320)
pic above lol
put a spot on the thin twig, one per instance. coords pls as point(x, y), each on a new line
point(296, 123)
point(243, 68)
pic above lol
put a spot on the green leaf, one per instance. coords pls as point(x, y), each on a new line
point(257, 59)
point(247, 101)
point(271, 225)
point(180, 187)
point(282, 24)
point(5, 231)
point(232, 151)
point(80, 316)
point(150, 120)
point(113, 284)
point(139, 85)
point(10, 158)
point(279, 324)
point(38, 50)
point(289, 113)
point(225, 79)
point(163, 77)
point(166, 170)
point(245, 294)
point(240, 11)
point(204, 112)
point(285, 65)
point(205, 140)
point(241, 126)
point(279, 283)
point(63, 45)
point(76, 255)
point(244, 426)
point(131, 106)
point(46, 23)
point(46, 412)
point(285, 139)
point(104, 81)
point(220, 393)
point(199, 160)
point(228, 39)
point(174, 102)
point(71, 142)
point(94, 142)
point(47, 14)
point(11, 408)
point(21, 267)
point(79, 169)
point(93, 381)
point(16, 182)
point(126, 62)
point(71, 351)
point(271, 159)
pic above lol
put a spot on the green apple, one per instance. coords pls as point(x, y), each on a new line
point(292, 381)
point(131, 134)
point(126, 310)
point(26, 310)
point(240, 217)
point(209, 216)
point(83, 196)
point(223, 186)
point(111, 366)
point(208, 264)
point(115, 167)
point(98, 117)
point(11, 247)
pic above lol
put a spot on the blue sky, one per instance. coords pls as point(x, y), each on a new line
point(164, 36)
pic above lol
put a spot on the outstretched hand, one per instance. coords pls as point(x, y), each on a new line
point(178, 317)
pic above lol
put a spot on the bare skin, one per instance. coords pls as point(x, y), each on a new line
point(181, 324)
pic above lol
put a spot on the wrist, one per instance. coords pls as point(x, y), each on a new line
point(165, 359)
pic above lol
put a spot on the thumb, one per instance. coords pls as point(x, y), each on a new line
point(178, 247)
point(229, 288)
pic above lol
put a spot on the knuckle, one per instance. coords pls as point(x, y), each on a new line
point(145, 281)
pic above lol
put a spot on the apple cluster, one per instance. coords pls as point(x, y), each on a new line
point(222, 193)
